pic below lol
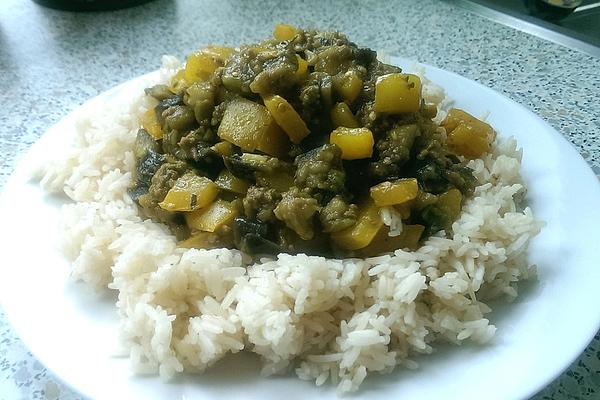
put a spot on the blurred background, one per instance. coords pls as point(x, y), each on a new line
point(579, 19)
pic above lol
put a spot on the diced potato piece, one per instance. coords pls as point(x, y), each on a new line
point(151, 124)
point(302, 71)
point(189, 193)
point(349, 86)
point(383, 243)
point(341, 115)
point(250, 126)
point(450, 202)
point(203, 240)
point(211, 218)
point(467, 135)
point(284, 32)
point(398, 93)
point(227, 181)
point(396, 192)
point(223, 148)
point(202, 63)
point(356, 143)
point(287, 118)
point(361, 234)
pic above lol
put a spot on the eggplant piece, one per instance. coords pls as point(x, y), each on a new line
point(148, 166)
point(255, 244)
point(143, 144)
point(243, 226)
point(207, 160)
point(462, 178)
point(251, 237)
point(164, 104)
point(245, 165)
point(159, 92)
point(136, 192)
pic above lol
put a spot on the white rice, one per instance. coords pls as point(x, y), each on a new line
point(338, 320)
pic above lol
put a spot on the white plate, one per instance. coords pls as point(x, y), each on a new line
point(73, 331)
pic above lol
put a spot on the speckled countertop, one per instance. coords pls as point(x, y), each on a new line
point(52, 61)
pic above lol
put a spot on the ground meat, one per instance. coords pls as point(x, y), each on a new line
point(338, 215)
point(296, 209)
point(253, 71)
point(393, 151)
point(165, 178)
point(260, 202)
point(320, 172)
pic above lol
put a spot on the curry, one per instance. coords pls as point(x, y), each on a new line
point(298, 144)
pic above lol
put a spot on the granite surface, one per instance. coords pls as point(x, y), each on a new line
point(52, 61)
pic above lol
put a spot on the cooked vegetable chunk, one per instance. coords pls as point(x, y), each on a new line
point(363, 231)
point(227, 181)
point(151, 125)
point(341, 115)
point(284, 32)
point(348, 86)
point(205, 240)
point(398, 94)
point(202, 63)
point(396, 192)
point(189, 193)
point(287, 118)
point(302, 71)
point(250, 126)
point(355, 143)
point(384, 243)
point(213, 217)
point(467, 135)
point(443, 212)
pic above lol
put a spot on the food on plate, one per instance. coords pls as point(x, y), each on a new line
point(295, 198)
point(308, 138)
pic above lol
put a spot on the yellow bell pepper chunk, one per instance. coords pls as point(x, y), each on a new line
point(250, 126)
point(211, 218)
point(178, 82)
point(202, 63)
point(189, 193)
point(356, 143)
point(397, 192)
point(151, 125)
point(302, 71)
point(362, 233)
point(203, 240)
point(450, 202)
point(223, 148)
point(231, 183)
point(284, 32)
point(341, 115)
point(348, 86)
point(287, 118)
point(467, 135)
point(398, 93)
point(384, 243)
